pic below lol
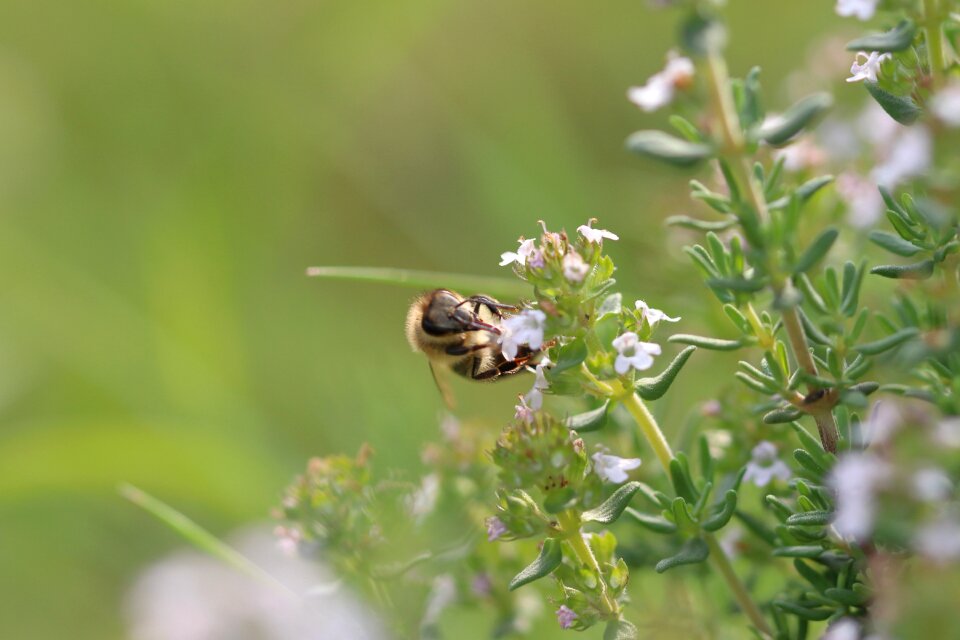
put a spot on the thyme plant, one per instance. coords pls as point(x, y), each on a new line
point(852, 506)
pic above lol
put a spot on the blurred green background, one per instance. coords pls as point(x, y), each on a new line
point(169, 169)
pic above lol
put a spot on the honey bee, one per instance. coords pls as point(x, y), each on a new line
point(462, 335)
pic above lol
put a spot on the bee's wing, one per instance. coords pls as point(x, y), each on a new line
point(443, 386)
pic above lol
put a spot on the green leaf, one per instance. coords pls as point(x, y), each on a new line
point(654, 388)
point(682, 483)
point(593, 420)
point(916, 271)
point(425, 280)
point(200, 537)
point(741, 285)
point(570, 356)
point(612, 507)
point(808, 462)
point(813, 332)
point(802, 612)
point(686, 128)
point(722, 517)
point(897, 39)
point(656, 524)
point(549, 559)
point(693, 551)
point(801, 551)
point(901, 108)
point(811, 575)
point(866, 388)
point(810, 518)
point(802, 115)
point(893, 243)
point(700, 225)
point(885, 344)
point(846, 597)
point(715, 344)
point(817, 250)
point(611, 305)
point(666, 148)
point(782, 415)
point(620, 630)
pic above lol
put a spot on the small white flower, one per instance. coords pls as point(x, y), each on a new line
point(574, 268)
point(495, 528)
point(652, 315)
point(519, 256)
point(945, 104)
point(660, 87)
point(939, 541)
point(522, 411)
point(931, 485)
point(535, 259)
point(566, 616)
point(864, 203)
point(856, 478)
point(802, 154)
point(612, 468)
point(632, 353)
point(862, 9)
point(534, 397)
point(525, 327)
point(907, 156)
point(870, 67)
point(595, 236)
point(843, 629)
point(764, 465)
point(884, 420)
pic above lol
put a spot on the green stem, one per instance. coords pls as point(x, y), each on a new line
point(570, 524)
point(740, 166)
point(931, 18)
point(718, 558)
point(721, 563)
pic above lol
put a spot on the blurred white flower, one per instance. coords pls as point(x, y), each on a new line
point(633, 354)
point(424, 499)
point(534, 397)
point(443, 593)
point(613, 468)
point(856, 478)
point(801, 155)
point(930, 484)
point(574, 268)
point(519, 256)
point(661, 87)
point(842, 629)
point(864, 203)
point(730, 541)
point(595, 236)
point(288, 539)
point(525, 327)
point(946, 433)
point(191, 596)
point(764, 465)
point(495, 528)
point(884, 420)
point(522, 411)
point(907, 156)
point(861, 9)
point(869, 68)
point(945, 104)
point(652, 315)
point(940, 540)
point(566, 616)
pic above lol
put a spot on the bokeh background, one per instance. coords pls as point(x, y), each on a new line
point(169, 169)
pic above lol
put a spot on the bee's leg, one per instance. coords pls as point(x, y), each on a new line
point(462, 350)
point(495, 307)
point(505, 368)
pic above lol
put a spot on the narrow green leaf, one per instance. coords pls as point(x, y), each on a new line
point(693, 551)
point(916, 271)
point(654, 388)
point(715, 344)
point(811, 330)
point(808, 462)
point(656, 524)
point(756, 385)
point(800, 551)
point(777, 131)
point(816, 251)
point(782, 415)
point(780, 508)
point(893, 243)
point(686, 128)
point(846, 597)
point(700, 225)
point(549, 559)
point(425, 280)
point(866, 388)
point(666, 148)
point(896, 39)
point(680, 476)
point(811, 575)
point(741, 285)
point(722, 517)
point(592, 420)
point(885, 344)
point(200, 537)
point(810, 518)
point(612, 507)
point(757, 528)
point(901, 108)
point(802, 612)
